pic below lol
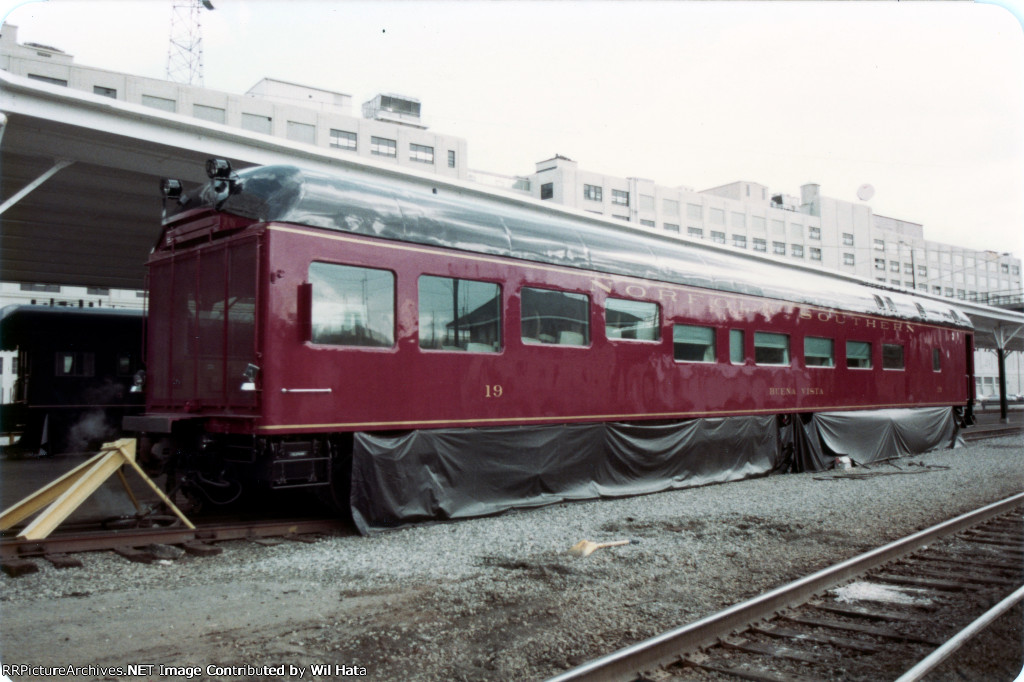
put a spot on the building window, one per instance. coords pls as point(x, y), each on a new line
point(211, 114)
point(737, 354)
point(47, 79)
point(459, 315)
point(301, 132)
point(819, 352)
point(104, 92)
point(879, 264)
point(556, 317)
point(693, 344)
point(696, 232)
point(717, 237)
point(892, 356)
point(421, 153)
point(257, 123)
point(382, 146)
point(592, 192)
point(739, 241)
point(547, 190)
point(32, 286)
point(343, 139)
point(760, 245)
point(879, 245)
point(671, 227)
point(620, 198)
point(848, 259)
point(814, 233)
point(758, 223)
point(858, 354)
point(352, 306)
point(161, 103)
point(646, 203)
point(779, 248)
point(621, 217)
point(922, 270)
point(717, 216)
point(451, 158)
point(738, 220)
point(894, 266)
point(97, 291)
point(796, 250)
point(847, 239)
point(647, 223)
point(815, 253)
point(670, 207)
point(694, 211)
point(771, 348)
point(635, 320)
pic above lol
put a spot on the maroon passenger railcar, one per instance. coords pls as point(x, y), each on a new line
point(289, 309)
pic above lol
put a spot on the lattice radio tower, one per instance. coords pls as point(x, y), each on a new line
point(185, 54)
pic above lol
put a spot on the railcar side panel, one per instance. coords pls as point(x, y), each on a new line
point(315, 385)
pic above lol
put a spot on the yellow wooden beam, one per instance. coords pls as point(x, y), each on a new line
point(68, 492)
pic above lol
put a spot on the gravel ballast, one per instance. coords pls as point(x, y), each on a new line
point(498, 598)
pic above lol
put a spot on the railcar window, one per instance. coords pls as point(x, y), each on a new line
point(819, 352)
point(694, 344)
point(737, 354)
point(75, 364)
point(556, 317)
point(771, 348)
point(459, 314)
point(858, 354)
point(636, 320)
point(936, 360)
point(892, 356)
point(352, 306)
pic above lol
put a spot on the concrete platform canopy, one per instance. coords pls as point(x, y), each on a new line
point(80, 174)
point(79, 184)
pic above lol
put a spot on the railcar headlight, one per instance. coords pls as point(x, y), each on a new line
point(138, 382)
point(170, 188)
point(218, 169)
point(250, 374)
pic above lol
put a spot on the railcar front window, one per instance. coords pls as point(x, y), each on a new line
point(636, 320)
point(771, 348)
point(694, 344)
point(819, 352)
point(352, 306)
point(892, 356)
point(737, 355)
point(459, 315)
point(858, 354)
point(556, 317)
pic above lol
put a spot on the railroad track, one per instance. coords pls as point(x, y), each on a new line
point(872, 617)
point(138, 543)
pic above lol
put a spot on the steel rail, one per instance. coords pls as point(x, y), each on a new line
point(135, 537)
point(932, 661)
point(625, 664)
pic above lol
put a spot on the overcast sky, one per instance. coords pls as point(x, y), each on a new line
point(922, 100)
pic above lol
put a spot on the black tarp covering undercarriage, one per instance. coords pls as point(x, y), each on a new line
point(869, 436)
point(440, 474)
point(459, 473)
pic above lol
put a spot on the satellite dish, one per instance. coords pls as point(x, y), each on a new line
point(865, 192)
